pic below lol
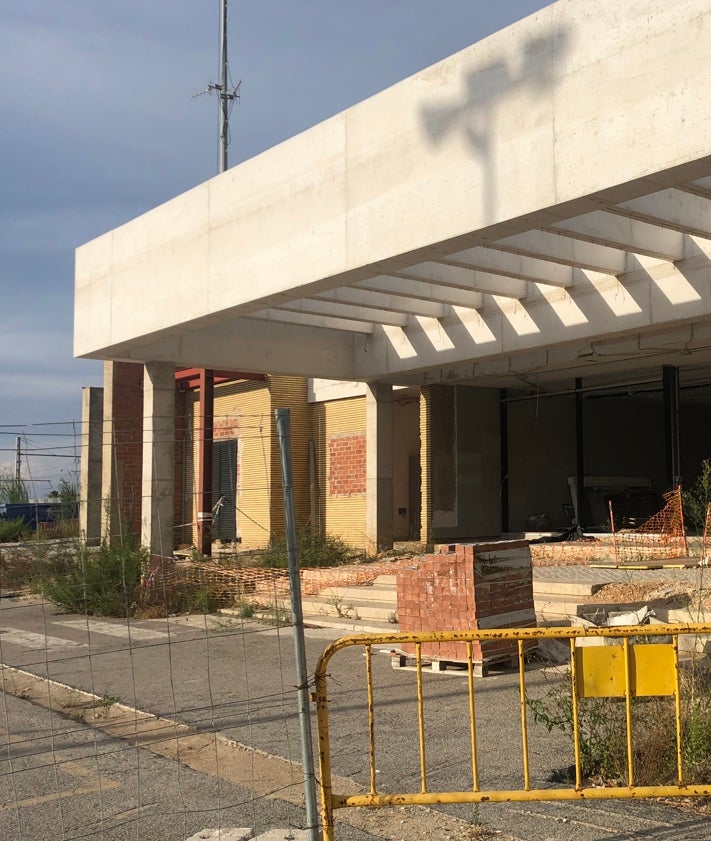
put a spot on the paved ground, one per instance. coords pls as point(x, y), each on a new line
point(236, 679)
point(597, 575)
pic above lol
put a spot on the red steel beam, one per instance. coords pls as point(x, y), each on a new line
point(190, 377)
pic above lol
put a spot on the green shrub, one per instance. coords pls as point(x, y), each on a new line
point(603, 740)
point(12, 489)
point(313, 550)
point(696, 499)
point(11, 531)
point(97, 582)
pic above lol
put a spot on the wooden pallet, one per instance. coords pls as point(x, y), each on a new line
point(403, 660)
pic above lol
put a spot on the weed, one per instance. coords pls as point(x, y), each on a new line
point(345, 611)
point(602, 732)
point(12, 531)
point(247, 610)
point(12, 489)
point(697, 497)
point(101, 582)
point(313, 550)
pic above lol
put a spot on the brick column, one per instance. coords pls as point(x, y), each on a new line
point(92, 431)
point(158, 457)
point(379, 467)
point(122, 450)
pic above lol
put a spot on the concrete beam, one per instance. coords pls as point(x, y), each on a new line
point(318, 321)
point(423, 290)
point(675, 209)
point(322, 351)
point(460, 278)
point(333, 309)
point(616, 231)
point(512, 265)
point(570, 252)
point(383, 301)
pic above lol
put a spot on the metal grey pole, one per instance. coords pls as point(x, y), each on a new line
point(283, 422)
point(224, 96)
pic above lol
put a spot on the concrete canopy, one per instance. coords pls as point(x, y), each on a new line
point(537, 204)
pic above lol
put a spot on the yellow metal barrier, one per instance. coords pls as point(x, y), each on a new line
point(630, 668)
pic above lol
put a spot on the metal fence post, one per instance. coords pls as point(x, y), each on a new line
point(283, 422)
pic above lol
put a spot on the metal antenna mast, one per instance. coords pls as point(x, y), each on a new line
point(226, 92)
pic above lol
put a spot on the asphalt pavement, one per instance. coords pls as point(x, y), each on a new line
point(236, 678)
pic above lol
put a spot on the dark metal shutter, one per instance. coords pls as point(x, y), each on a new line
point(224, 486)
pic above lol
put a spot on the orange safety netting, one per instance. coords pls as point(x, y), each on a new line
point(234, 585)
point(662, 536)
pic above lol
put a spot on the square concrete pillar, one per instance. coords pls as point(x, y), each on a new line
point(158, 457)
point(92, 441)
point(379, 467)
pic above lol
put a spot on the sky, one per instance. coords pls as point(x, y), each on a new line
point(100, 123)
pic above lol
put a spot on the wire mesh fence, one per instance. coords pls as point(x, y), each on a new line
point(145, 696)
point(154, 696)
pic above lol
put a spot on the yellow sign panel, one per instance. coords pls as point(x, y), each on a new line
point(600, 670)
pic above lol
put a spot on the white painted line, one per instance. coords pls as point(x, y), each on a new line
point(112, 629)
point(37, 642)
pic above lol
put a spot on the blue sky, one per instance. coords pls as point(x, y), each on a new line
point(100, 124)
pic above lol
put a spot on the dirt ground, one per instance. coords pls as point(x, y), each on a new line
point(671, 592)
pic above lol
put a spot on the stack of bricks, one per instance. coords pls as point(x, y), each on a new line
point(468, 587)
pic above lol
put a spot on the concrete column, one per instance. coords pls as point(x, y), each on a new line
point(158, 457)
point(122, 450)
point(92, 441)
point(379, 467)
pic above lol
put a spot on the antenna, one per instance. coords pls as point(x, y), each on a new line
point(226, 92)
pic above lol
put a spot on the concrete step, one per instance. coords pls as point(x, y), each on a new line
point(367, 592)
point(386, 581)
point(351, 608)
point(574, 589)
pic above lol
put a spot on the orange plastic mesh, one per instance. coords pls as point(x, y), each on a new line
point(662, 536)
point(265, 586)
point(705, 548)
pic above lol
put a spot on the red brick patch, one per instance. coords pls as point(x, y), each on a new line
point(347, 474)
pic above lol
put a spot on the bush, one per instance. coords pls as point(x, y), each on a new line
point(313, 550)
point(602, 729)
point(12, 531)
point(12, 489)
point(697, 498)
point(96, 582)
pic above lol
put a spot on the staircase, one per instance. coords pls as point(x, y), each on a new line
point(367, 607)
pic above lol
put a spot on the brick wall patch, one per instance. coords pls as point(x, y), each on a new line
point(347, 464)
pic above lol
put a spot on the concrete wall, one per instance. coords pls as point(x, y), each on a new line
point(461, 462)
point(341, 512)
point(541, 443)
point(624, 436)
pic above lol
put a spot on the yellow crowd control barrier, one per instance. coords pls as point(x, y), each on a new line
point(625, 663)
